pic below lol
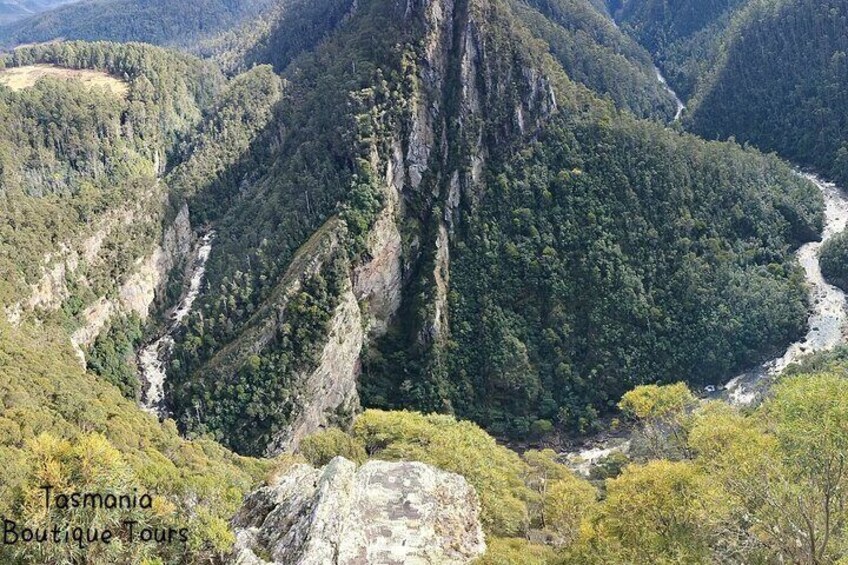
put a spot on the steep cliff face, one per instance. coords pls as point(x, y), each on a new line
point(327, 395)
point(462, 88)
point(73, 265)
point(469, 94)
point(379, 513)
point(145, 282)
point(432, 165)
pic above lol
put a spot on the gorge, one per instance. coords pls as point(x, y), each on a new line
point(342, 281)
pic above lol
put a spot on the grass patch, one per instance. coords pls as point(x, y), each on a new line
point(19, 78)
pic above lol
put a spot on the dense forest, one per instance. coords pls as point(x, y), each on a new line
point(64, 427)
point(771, 73)
point(595, 53)
point(530, 347)
point(781, 84)
point(97, 156)
point(478, 214)
point(150, 21)
point(684, 242)
point(83, 187)
point(684, 36)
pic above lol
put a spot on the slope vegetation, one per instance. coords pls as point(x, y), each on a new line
point(150, 21)
point(780, 84)
point(442, 183)
point(684, 36)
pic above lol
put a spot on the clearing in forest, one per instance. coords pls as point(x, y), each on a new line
point(19, 78)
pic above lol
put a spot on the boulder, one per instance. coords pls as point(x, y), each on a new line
point(379, 513)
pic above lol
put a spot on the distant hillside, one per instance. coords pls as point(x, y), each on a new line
point(683, 35)
point(780, 83)
point(150, 21)
point(15, 10)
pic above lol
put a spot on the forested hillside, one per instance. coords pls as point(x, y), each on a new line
point(99, 155)
point(593, 52)
point(14, 10)
point(84, 207)
point(780, 84)
point(411, 228)
point(60, 426)
point(684, 36)
point(682, 242)
point(150, 21)
point(771, 73)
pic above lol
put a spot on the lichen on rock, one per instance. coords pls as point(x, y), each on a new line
point(381, 512)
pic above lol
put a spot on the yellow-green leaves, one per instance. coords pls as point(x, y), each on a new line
point(496, 473)
point(650, 402)
point(320, 448)
point(664, 416)
point(662, 512)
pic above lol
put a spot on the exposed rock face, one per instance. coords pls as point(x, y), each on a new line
point(386, 513)
point(430, 164)
point(330, 390)
point(378, 282)
point(327, 394)
point(138, 292)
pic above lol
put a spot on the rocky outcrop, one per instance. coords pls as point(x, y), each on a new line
point(146, 281)
point(387, 513)
point(378, 282)
point(329, 392)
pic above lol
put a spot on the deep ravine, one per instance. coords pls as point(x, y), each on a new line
point(153, 359)
point(827, 324)
point(680, 105)
point(828, 317)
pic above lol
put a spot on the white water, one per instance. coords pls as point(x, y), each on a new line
point(581, 462)
point(680, 105)
point(153, 358)
point(828, 317)
point(827, 323)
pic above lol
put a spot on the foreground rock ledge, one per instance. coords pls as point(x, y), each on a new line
point(381, 512)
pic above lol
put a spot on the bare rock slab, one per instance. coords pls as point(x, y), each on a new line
point(379, 513)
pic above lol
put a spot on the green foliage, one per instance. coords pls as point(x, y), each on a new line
point(222, 152)
point(112, 356)
point(765, 487)
point(313, 164)
point(663, 414)
point(321, 447)
point(593, 52)
point(650, 402)
point(152, 21)
point(609, 467)
point(74, 159)
point(684, 36)
point(779, 83)
point(496, 473)
point(516, 551)
point(662, 512)
point(833, 258)
point(246, 410)
point(77, 432)
point(681, 247)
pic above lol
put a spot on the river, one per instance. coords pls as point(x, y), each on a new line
point(827, 323)
point(827, 318)
point(153, 359)
point(680, 105)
